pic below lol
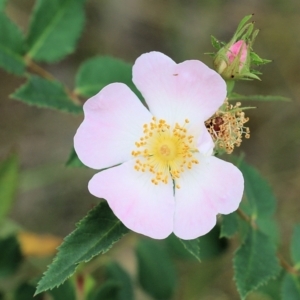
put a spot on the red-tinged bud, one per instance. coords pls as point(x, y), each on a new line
point(233, 60)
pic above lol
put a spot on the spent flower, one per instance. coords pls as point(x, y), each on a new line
point(162, 176)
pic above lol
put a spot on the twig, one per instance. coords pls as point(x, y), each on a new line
point(35, 68)
point(285, 265)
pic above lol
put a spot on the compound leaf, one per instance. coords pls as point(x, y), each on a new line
point(47, 94)
point(94, 235)
point(255, 262)
point(11, 45)
point(54, 29)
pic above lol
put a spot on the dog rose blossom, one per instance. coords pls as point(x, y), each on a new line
point(162, 176)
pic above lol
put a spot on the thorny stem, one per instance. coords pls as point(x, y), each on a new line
point(35, 68)
point(290, 269)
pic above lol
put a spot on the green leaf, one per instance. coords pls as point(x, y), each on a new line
point(2, 5)
point(235, 96)
point(229, 225)
point(94, 235)
point(255, 262)
point(215, 43)
point(8, 183)
point(258, 60)
point(73, 160)
point(11, 45)
point(156, 273)
point(63, 292)
point(259, 201)
point(290, 287)
point(47, 94)
point(192, 246)
point(54, 29)
point(107, 291)
point(10, 256)
point(97, 72)
point(295, 246)
point(120, 276)
point(230, 86)
point(25, 292)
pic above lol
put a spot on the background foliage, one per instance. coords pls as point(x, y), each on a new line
point(50, 198)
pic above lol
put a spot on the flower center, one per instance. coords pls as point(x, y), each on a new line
point(164, 151)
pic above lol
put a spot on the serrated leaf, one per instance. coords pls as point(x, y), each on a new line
point(255, 262)
point(10, 256)
point(295, 246)
point(11, 46)
point(192, 246)
point(73, 160)
point(229, 225)
point(47, 94)
point(117, 274)
point(156, 273)
point(107, 291)
point(9, 170)
point(290, 287)
point(259, 201)
point(97, 72)
point(54, 29)
point(235, 96)
point(94, 235)
point(65, 291)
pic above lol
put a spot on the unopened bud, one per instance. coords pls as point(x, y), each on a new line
point(233, 60)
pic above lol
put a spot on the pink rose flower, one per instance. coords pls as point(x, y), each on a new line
point(238, 48)
point(163, 177)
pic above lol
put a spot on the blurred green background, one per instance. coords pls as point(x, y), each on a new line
point(52, 198)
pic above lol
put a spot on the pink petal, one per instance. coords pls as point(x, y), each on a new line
point(205, 142)
point(175, 92)
point(214, 186)
point(142, 206)
point(235, 49)
point(113, 122)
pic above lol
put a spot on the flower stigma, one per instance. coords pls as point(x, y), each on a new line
point(165, 151)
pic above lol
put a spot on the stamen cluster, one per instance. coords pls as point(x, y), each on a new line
point(227, 127)
point(164, 151)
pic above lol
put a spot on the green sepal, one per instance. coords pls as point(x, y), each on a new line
point(215, 43)
point(95, 234)
point(255, 59)
point(46, 94)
